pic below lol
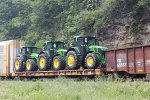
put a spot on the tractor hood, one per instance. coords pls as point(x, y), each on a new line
point(34, 55)
point(61, 52)
point(99, 47)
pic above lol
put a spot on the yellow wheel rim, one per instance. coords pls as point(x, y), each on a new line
point(17, 64)
point(42, 62)
point(90, 61)
point(56, 63)
point(28, 65)
point(71, 60)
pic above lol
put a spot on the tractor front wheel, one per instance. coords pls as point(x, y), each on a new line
point(91, 61)
point(58, 63)
point(72, 61)
point(43, 63)
point(31, 65)
point(19, 65)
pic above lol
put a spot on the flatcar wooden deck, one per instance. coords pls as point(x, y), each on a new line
point(87, 72)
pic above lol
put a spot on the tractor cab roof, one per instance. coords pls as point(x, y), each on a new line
point(54, 42)
point(28, 47)
point(84, 37)
point(53, 45)
point(88, 37)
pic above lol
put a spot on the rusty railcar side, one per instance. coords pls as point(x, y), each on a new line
point(134, 60)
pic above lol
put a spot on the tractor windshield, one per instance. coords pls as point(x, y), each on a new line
point(80, 42)
point(85, 41)
point(29, 50)
point(34, 50)
point(23, 50)
point(60, 45)
point(49, 46)
point(91, 41)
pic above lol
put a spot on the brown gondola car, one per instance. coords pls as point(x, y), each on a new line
point(134, 61)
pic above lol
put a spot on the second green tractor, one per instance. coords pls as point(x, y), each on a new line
point(52, 57)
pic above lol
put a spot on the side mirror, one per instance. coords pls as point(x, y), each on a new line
point(39, 50)
point(20, 50)
point(54, 45)
point(85, 40)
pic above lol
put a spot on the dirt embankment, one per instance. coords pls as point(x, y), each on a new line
point(121, 35)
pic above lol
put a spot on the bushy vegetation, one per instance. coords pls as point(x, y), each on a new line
point(38, 20)
point(67, 89)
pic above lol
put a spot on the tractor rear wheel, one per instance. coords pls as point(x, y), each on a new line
point(72, 60)
point(19, 65)
point(43, 63)
point(58, 63)
point(31, 65)
point(91, 61)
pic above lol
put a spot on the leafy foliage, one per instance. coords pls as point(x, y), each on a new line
point(39, 20)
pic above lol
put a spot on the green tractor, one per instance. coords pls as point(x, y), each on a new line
point(52, 57)
point(22, 61)
point(85, 53)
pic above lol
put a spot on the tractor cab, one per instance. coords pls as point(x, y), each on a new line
point(80, 41)
point(28, 50)
point(53, 45)
point(83, 42)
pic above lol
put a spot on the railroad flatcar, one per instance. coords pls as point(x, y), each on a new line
point(125, 62)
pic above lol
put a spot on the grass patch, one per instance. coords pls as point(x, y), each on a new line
point(67, 89)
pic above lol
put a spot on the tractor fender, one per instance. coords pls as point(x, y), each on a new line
point(44, 53)
point(61, 52)
point(34, 56)
point(74, 49)
point(99, 55)
point(89, 52)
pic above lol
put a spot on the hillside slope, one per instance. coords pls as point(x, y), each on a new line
point(119, 36)
point(116, 23)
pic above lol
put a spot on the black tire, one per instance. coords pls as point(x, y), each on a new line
point(95, 63)
point(19, 65)
point(61, 65)
point(75, 65)
point(32, 66)
point(45, 66)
